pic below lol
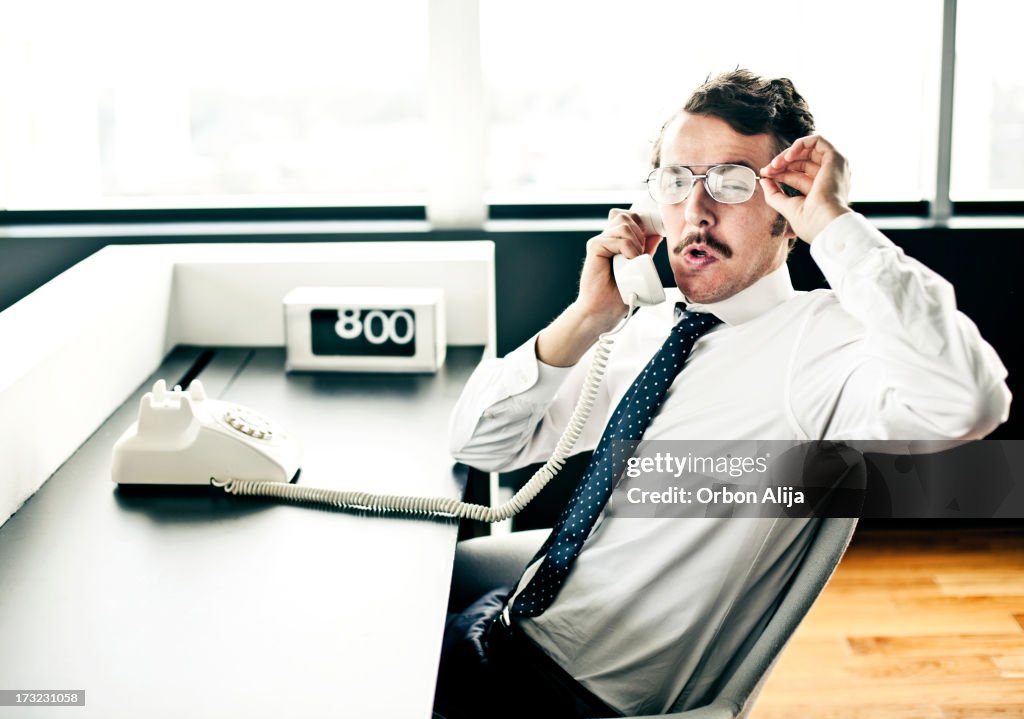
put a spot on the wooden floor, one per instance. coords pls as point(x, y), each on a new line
point(913, 625)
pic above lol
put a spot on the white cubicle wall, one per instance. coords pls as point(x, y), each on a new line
point(76, 348)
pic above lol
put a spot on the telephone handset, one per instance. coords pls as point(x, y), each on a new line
point(637, 279)
point(183, 437)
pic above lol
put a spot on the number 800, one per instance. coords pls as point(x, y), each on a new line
point(377, 326)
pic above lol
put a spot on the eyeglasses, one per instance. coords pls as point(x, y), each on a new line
point(729, 184)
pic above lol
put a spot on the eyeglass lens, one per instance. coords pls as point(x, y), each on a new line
point(725, 183)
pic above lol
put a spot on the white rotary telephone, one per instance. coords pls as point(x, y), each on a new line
point(184, 437)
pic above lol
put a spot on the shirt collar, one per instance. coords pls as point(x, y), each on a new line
point(771, 290)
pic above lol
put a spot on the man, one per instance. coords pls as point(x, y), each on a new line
point(647, 614)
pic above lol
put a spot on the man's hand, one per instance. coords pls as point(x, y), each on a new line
point(598, 307)
point(812, 166)
point(623, 235)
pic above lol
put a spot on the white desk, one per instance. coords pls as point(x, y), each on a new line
point(174, 603)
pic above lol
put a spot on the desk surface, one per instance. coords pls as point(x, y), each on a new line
point(170, 603)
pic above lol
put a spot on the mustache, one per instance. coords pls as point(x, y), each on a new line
point(703, 237)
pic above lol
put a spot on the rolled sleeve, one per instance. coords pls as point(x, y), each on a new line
point(910, 366)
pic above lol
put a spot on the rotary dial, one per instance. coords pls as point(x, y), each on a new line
point(249, 422)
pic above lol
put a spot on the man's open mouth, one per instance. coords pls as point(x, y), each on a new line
point(700, 255)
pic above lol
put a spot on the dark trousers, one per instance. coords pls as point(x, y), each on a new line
point(490, 670)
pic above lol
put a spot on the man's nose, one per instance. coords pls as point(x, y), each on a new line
point(699, 207)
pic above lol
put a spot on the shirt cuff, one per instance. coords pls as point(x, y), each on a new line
point(843, 243)
point(527, 378)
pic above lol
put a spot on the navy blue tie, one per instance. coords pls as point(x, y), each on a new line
point(629, 421)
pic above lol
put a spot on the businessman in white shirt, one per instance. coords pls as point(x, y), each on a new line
point(651, 611)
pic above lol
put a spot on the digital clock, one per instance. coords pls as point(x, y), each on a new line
point(364, 329)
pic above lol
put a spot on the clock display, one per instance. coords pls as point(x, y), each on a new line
point(363, 331)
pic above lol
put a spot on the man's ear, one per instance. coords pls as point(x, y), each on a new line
point(790, 234)
point(782, 228)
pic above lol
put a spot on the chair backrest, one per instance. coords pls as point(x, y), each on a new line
point(737, 695)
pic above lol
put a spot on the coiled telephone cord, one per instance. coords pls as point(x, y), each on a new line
point(444, 506)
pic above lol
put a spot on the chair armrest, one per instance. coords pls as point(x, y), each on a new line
point(485, 563)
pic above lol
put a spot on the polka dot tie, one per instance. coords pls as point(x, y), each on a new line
point(628, 422)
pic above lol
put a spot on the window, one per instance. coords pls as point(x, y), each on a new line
point(988, 118)
point(114, 104)
point(578, 90)
point(122, 104)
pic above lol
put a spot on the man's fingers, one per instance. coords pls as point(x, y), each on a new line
point(812, 146)
point(784, 161)
point(775, 197)
point(651, 243)
point(802, 154)
point(608, 244)
point(622, 222)
point(797, 180)
point(808, 167)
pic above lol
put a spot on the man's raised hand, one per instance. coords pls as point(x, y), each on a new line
point(812, 166)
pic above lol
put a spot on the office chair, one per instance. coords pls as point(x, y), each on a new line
point(483, 563)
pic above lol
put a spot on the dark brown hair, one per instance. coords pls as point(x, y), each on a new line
point(751, 105)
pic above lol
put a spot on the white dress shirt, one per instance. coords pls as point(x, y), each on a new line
point(654, 609)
